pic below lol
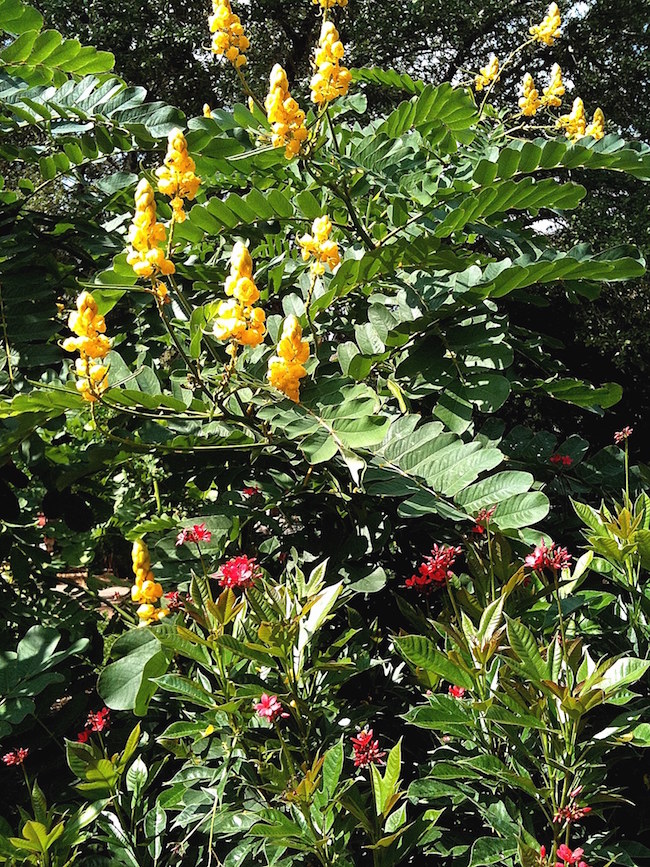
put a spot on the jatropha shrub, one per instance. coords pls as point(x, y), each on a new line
point(346, 640)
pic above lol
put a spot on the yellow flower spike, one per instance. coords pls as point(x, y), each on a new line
point(553, 93)
point(140, 554)
point(228, 37)
point(530, 101)
point(286, 367)
point(487, 74)
point(549, 28)
point(287, 119)
point(330, 4)
point(237, 319)
point(330, 79)
point(596, 128)
point(177, 178)
point(574, 124)
point(145, 234)
point(146, 590)
point(92, 344)
point(149, 592)
point(318, 246)
point(148, 613)
point(207, 111)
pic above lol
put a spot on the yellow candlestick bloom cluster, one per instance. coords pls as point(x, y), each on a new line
point(596, 128)
point(238, 320)
point(146, 257)
point(487, 74)
point(228, 37)
point(146, 591)
point(319, 246)
point(553, 93)
point(575, 123)
point(330, 4)
point(176, 177)
point(286, 367)
point(549, 29)
point(530, 101)
point(92, 345)
point(330, 79)
point(287, 119)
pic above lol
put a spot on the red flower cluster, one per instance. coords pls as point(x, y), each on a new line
point(567, 856)
point(366, 751)
point(435, 570)
point(268, 707)
point(482, 520)
point(197, 533)
point(98, 721)
point(554, 558)
point(621, 435)
point(572, 813)
point(174, 601)
point(250, 492)
point(457, 691)
point(239, 573)
point(562, 460)
point(16, 757)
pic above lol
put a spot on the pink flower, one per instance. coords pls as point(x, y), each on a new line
point(98, 721)
point(268, 707)
point(482, 520)
point(554, 558)
point(542, 853)
point(174, 601)
point(251, 492)
point(16, 757)
point(435, 570)
point(457, 691)
point(621, 435)
point(239, 573)
point(567, 856)
point(366, 751)
point(564, 460)
point(197, 533)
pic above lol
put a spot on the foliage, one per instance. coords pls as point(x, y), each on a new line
point(488, 710)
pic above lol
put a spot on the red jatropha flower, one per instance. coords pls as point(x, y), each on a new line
point(482, 520)
point(240, 572)
point(197, 533)
point(435, 570)
point(99, 720)
point(554, 558)
point(366, 751)
point(16, 757)
point(174, 601)
point(84, 736)
point(621, 435)
point(250, 492)
point(569, 857)
point(542, 853)
point(564, 460)
point(571, 814)
point(457, 691)
point(268, 707)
